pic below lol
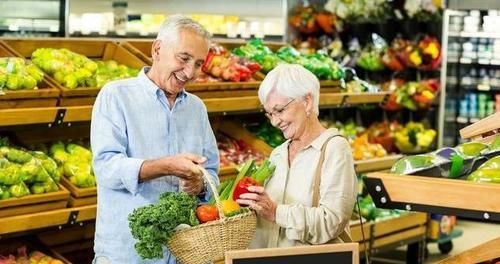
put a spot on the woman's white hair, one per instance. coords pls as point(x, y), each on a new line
point(290, 80)
point(170, 28)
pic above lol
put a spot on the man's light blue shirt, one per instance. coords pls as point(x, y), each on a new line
point(131, 122)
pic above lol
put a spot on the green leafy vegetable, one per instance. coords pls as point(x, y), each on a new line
point(154, 225)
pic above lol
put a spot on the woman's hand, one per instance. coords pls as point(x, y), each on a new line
point(258, 200)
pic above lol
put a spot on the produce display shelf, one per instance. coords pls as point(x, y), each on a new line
point(53, 218)
point(45, 96)
point(436, 195)
point(376, 164)
point(80, 196)
point(386, 233)
point(27, 116)
point(360, 166)
point(44, 115)
point(47, 115)
point(100, 49)
point(346, 99)
point(34, 203)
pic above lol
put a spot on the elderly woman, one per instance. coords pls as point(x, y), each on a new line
point(288, 215)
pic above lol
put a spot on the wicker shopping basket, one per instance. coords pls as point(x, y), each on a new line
point(208, 242)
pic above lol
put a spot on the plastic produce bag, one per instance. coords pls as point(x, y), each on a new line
point(370, 57)
point(19, 190)
point(471, 149)
point(412, 164)
point(11, 174)
point(487, 172)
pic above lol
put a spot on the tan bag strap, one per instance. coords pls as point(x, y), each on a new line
point(344, 236)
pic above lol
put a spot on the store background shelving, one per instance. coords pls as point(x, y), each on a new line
point(381, 235)
point(471, 74)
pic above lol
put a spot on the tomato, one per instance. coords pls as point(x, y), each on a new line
point(206, 213)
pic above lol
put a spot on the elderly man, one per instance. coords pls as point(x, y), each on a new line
point(148, 136)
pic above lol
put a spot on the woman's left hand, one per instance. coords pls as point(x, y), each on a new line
point(258, 200)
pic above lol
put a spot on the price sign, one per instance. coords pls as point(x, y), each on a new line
point(321, 254)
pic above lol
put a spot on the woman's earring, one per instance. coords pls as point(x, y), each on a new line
point(308, 114)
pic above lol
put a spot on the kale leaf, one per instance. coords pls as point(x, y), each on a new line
point(154, 225)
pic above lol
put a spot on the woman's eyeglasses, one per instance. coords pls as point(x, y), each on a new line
point(278, 111)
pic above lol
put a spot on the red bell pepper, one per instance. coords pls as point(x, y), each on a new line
point(242, 186)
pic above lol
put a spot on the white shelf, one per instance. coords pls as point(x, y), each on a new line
point(478, 34)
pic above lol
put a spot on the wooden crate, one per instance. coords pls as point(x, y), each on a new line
point(45, 96)
point(34, 203)
point(96, 49)
point(389, 232)
point(457, 197)
point(142, 49)
point(80, 196)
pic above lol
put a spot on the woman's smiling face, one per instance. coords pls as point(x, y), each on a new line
point(287, 114)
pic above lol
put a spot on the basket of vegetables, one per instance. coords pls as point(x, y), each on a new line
point(212, 239)
point(175, 221)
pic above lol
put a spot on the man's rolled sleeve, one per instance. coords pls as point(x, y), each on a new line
point(129, 174)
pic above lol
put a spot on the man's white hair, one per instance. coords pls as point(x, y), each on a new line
point(293, 81)
point(170, 28)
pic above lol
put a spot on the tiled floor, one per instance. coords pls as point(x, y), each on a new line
point(475, 233)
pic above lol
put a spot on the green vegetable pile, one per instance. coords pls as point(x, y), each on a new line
point(154, 225)
point(76, 163)
point(26, 172)
point(74, 70)
point(256, 50)
point(371, 213)
point(321, 65)
point(271, 135)
point(16, 74)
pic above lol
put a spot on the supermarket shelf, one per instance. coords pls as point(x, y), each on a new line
point(25, 116)
point(391, 233)
point(361, 166)
point(376, 164)
point(463, 60)
point(478, 34)
point(61, 217)
point(59, 115)
point(437, 195)
point(346, 99)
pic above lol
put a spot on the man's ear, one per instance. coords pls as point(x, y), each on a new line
point(155, 49)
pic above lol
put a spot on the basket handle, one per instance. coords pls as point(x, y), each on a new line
point(211, 184)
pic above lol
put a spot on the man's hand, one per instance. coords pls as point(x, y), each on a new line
point(184, 166)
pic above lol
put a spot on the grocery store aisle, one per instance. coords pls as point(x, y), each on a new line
point(474, 233)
